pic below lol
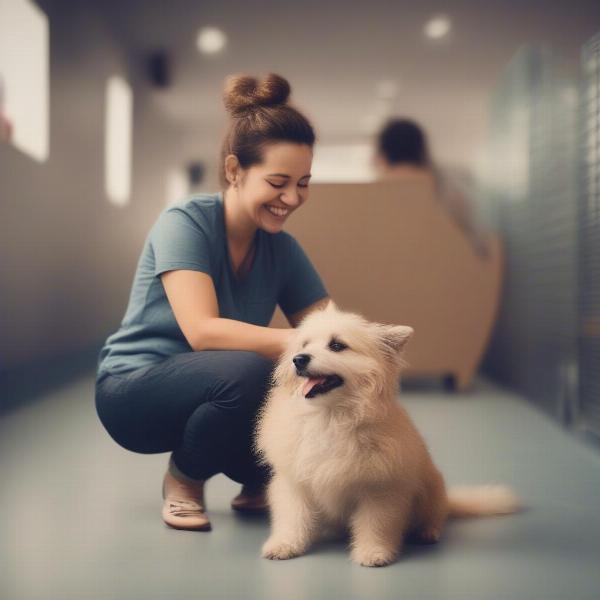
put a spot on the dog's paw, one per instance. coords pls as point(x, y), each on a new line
point(275, 549)
point(373, 557)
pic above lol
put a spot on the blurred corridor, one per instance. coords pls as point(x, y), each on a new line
point(111, 112)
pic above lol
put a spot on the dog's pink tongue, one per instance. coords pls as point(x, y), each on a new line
point(310, 384)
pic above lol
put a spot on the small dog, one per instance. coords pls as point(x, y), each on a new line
point(345, 455)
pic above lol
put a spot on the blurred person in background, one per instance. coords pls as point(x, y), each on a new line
point(189, 367)
point(402, 153)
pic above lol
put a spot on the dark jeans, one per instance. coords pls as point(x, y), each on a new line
point(199, 405)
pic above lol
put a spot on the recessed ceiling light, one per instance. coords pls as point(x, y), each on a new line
point(437, 27)
point(210, 40)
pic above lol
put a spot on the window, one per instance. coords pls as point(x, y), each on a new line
point(350, 163)
point(24, 77)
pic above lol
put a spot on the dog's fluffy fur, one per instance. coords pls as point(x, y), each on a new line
point(350, 457)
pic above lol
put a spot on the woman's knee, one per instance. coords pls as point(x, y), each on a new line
point(126, 429)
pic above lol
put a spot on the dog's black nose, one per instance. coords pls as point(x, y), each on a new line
point(301, 360)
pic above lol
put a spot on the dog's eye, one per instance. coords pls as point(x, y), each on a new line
point(337, 346)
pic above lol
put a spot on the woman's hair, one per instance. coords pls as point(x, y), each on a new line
point(402, 141)
point(260, 115)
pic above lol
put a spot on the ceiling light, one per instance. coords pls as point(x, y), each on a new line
point(438, 27)
point(210, 40)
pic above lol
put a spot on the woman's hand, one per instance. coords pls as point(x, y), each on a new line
point(285, 339)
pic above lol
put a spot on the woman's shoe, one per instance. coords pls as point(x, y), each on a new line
point(183, 506)
point(251, 499)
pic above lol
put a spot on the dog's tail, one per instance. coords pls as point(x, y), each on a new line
point(481, 500)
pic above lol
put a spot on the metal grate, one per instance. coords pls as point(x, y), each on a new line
point(589, 232)
point(532, 195)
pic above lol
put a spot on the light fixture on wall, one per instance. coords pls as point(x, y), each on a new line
point(118, 136)
point(437, 27)
point(210, 40)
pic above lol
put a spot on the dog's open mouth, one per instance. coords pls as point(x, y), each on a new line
point(320, 384)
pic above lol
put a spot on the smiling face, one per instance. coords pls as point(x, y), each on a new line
point(270, 191)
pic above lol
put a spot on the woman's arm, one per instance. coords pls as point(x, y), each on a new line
point(193, 300)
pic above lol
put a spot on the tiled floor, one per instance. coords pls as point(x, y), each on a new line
point(81, 520)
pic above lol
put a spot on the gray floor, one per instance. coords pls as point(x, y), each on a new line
point(81, 517)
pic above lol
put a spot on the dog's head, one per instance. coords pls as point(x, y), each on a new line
point(336, 354)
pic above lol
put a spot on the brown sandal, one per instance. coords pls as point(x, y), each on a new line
point(183, 506)
point(251, 500)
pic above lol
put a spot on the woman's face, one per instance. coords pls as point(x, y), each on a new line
point(271, 191)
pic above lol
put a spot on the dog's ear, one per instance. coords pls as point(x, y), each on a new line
point(394, 337)
point(331, 306)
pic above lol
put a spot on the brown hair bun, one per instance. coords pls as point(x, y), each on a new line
point(244, 93)
point(260, 115)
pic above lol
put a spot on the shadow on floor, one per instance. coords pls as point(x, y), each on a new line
point(24, 385)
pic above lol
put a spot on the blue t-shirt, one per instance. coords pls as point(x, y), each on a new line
point(192, 236)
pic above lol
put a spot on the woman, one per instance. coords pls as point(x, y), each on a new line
point(403, 154)
point(190, 365)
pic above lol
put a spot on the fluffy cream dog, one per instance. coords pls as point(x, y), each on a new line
point(344, 454)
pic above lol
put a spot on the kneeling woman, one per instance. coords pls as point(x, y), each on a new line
point(190, 364)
